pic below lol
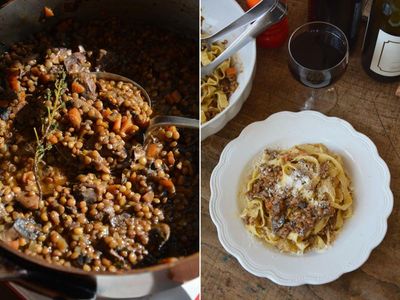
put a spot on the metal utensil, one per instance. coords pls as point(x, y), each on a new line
point(182, 122)
point(157, 121)
point(260, 17)
point(116, 77)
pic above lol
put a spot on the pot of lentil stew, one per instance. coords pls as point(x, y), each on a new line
point(87, 207)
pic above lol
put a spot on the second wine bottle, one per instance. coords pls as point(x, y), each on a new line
point(345, 14)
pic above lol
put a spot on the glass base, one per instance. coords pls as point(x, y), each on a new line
point(322, 100)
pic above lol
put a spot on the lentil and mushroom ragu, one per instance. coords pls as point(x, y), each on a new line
point(86, 190)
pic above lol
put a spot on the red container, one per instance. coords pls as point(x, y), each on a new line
point(276, 35)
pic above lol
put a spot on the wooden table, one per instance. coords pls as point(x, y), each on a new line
point(373, 109)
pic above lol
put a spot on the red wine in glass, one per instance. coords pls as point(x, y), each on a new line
point(318, 57)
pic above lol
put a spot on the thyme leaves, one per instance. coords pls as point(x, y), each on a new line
point(54, 103)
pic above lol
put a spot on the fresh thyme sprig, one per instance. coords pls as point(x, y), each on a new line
point(49, 124)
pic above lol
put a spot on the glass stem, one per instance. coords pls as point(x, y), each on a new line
point(310, 102)
point(312, 96)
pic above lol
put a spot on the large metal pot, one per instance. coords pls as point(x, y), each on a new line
point(19, 19)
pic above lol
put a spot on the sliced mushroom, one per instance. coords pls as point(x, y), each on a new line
point(73, 62)
point(85, 193)
point(277, 223)
point(138, 151)
point(28, 201)
point(9, 235)
point(119, 220)
point(27, 228)
point(88, 80)
point(163, 231)
point(116, 255)
point(4, 113)
point(3, 212)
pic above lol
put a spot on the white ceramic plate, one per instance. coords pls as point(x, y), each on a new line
point(373, 199)
point(218, 14)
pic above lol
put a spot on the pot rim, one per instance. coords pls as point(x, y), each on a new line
point(77, 271)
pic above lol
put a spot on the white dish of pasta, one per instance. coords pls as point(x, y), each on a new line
point(300, 198)
point(224, 92)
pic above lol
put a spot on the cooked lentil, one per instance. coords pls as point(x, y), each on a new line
point(110, 201)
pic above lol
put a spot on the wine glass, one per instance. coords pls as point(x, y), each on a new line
point(318, 57)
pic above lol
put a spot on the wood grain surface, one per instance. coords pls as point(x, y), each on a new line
point(373, 109)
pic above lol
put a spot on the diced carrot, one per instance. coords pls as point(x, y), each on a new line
point(133, 177)
point(268, 205)
point(176, 96)
point(230, 72)
point(100, 130)
point(77, 87)
point(75, 117)
point(152, 150)
point(127, 127)
point(35, 71)
point(48, 12)
point(107, 112)
point(113, 188)
point(22, 96)
point(126, 123)
point(45, 78)
point(170, 158)
point(13, 82)
point(13, 244)
point(53, 139)
point(117, 124)
point(167, 183)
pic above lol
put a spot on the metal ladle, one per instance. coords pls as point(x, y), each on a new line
point(157, 121)
point(260, 17)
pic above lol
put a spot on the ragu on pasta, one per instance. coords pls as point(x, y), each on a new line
point(298, 199)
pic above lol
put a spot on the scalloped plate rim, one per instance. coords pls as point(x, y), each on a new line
point(273, 275)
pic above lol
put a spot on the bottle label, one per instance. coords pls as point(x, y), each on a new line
point(386, 58)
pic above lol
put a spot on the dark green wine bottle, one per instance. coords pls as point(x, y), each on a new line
point(381, 50)
point(345, 14)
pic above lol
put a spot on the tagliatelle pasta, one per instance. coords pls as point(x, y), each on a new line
point(297, 199)
point(216, 88)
